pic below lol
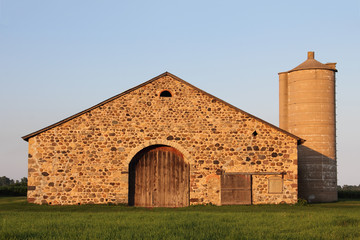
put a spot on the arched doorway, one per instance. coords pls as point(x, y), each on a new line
point(159, 177)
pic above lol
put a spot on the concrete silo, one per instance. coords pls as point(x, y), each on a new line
point(307, 109)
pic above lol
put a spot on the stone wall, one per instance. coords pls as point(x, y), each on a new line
point(86, 159)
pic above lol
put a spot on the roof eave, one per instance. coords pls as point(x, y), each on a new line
point(301, 69)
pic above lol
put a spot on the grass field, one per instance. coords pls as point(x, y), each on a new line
point(20, 220)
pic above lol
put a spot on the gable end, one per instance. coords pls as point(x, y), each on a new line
point(27, 137)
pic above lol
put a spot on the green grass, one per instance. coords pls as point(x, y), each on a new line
point(20, 220)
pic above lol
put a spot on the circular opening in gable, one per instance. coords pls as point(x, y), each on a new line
point(165, 93)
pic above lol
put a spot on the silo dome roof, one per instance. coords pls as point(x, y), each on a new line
point(311, 63)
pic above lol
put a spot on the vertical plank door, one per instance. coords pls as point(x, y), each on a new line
point(235, 189)
point(161, 178)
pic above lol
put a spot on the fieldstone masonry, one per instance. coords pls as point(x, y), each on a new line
point(85, 159)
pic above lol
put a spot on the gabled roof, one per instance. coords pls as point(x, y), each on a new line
point(26, 137)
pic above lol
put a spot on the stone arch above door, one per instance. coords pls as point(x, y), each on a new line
point(134, 151)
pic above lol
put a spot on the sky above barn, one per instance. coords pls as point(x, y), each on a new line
point(59, 58)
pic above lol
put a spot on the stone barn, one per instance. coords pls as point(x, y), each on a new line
point(164, 143)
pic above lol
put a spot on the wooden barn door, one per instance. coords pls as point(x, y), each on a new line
point(235, 189)
point(161, 178)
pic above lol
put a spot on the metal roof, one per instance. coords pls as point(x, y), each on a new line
point(311, 63)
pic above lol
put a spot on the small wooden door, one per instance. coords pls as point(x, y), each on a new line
point(161, 178)
point(235, 189)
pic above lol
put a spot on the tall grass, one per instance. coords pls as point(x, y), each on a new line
point(20, 220)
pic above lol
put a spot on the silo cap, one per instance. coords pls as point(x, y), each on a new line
point(311, 63)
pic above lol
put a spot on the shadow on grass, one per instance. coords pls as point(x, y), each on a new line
point(20, 204)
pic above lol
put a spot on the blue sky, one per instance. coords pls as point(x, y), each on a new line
point(59, 58)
